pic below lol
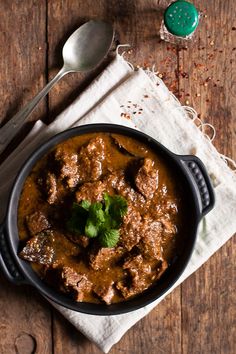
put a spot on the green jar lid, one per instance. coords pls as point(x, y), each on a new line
point(181, 18)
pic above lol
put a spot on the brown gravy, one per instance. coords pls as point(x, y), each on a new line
point(84, 168)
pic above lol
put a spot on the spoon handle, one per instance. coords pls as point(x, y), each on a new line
point(11, 128)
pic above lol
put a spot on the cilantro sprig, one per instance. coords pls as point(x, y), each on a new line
point(99, 220)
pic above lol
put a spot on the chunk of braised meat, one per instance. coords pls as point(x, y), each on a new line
point(105, 292)
point(90, 160)
point(103, 258)
point(91, 191)
point(139, 274)
point(150, 243)
point(168, 225)
point(37, 222)
point(160, 269)
point(39, 249)
point(117, 183)
point(51, 188)
point(126, 146)
point(120, 144)
point(80, 240)
point(68, 165)
point(130, 229)
point(75, 283)
point(146, 179)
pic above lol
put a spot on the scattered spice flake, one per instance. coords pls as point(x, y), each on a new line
point(125, 115)
point(199, 65)
point(233, 28)
point(139, 112)
point(121, 106)
point(145, 96)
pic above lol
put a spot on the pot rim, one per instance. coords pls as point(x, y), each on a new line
point(168, 279)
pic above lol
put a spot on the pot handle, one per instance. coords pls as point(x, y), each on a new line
point(7, 264)
point(201, 181)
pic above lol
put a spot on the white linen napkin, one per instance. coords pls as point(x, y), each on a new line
point(113, 97)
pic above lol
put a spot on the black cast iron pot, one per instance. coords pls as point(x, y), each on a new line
point(199, 194)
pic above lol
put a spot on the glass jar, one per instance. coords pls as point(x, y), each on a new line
point(181, 19)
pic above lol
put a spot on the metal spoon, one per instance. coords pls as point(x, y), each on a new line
point(83, 51)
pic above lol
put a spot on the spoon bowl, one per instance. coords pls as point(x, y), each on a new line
point(83, 51)
point(87, 46)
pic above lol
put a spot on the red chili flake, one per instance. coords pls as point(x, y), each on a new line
point(125, 115)
point(184, 75)
point(139, 112)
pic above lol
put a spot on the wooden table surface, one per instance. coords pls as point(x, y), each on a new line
point(199, 316)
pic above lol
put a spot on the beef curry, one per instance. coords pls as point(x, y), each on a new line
point(87, 171)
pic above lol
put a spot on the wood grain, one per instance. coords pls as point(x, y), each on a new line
point(208, 300)
point(199, 316)
point(25, 321)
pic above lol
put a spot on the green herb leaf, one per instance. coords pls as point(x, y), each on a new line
point(116, 206)
point(85, 204)
point(101, 219)
point(109, 238)
point(78, 218)
point(96, 213)
point(107, 200)
point(91, 230)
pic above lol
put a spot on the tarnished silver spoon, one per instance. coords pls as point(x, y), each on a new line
point(83, 51)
